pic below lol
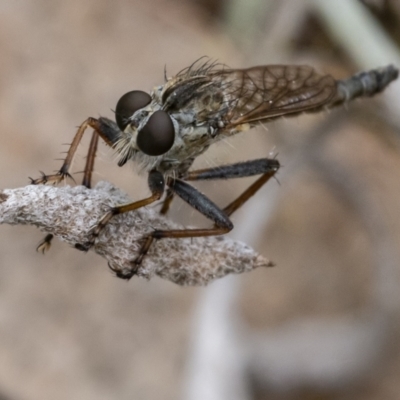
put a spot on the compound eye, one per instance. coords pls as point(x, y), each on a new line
point(158, 135)
point(128, 104)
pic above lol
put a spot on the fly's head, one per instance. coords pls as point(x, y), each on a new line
point(146, 128)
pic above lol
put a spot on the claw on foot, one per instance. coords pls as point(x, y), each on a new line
point(83, 246)
point(94, 233)
point(45, 244)
point(123, 274)
point(55, 178)
point(96, 229)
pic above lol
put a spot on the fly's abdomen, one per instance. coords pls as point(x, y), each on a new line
point(365, 84)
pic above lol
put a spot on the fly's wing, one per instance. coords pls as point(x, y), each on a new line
point(266, 92)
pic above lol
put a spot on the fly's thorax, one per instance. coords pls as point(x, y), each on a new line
point(191, 141)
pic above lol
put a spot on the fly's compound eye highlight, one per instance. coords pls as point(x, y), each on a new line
point(157, 136)
point(128, 104)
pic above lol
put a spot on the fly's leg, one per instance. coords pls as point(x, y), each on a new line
point(167, 202)
point(265, 166)
point(45, 244)
point(170, 194)
point(89, 166)
point(222, 223)
point(156, 184)
point(163, 211)
point(104, 128)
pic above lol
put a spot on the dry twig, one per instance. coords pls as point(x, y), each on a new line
point(69, 212)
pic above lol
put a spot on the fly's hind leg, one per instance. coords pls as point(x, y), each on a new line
point(222, 223)
point(156, 184)
point(265, 167)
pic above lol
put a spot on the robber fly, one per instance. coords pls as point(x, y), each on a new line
point(165, 131)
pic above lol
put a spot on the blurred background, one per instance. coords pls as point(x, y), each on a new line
point(323, 324)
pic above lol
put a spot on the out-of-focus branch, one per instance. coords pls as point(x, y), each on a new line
point(69, 212)
point(360, 34)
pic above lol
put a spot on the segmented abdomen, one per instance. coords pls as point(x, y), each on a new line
point(365, 84)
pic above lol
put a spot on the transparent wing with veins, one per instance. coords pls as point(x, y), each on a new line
point(266, 92)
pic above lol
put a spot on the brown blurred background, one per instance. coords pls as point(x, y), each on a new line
point(323, 324)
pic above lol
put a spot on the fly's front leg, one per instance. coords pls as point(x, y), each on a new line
point(64, 170)
point(90, 158)
point(156, 184)
point(105, 128)
point(45, 245)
